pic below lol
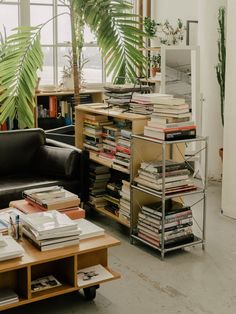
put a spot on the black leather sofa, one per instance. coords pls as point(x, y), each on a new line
point(29, 160)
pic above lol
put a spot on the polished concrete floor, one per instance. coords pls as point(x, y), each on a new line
point(187, 281)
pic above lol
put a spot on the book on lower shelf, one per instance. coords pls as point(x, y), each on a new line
point(43, 283)
point(92, 275)
point(8, 296)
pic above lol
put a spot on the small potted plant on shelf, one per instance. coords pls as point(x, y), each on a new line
point(155, 64)
point(150, 27)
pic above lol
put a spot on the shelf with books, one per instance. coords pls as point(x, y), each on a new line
point(112, 216)
point(160, 181)
point(56, 108)
point(40, 275)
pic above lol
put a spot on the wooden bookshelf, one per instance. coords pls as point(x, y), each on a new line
point(137, 126)
point(62, 263)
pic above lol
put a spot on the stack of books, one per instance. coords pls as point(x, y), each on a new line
point(8, 296)
point(112, 196)
point(51, 198)
point(109, 142)
point(99, 176)
point(93, 128)
point(178, 224)
point(9, 248)
point(124, 212)
point(170, 120)
point(121, 159)
point(141, 104)
point(25, 207)
point(177, 177)
point(50, 229)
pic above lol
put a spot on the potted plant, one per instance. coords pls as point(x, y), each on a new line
point(111, 21)
point(220, 67)
point(150, 27)
point(155, 64)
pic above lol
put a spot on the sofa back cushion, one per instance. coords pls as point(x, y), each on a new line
point(17, 150)
point(57, 162)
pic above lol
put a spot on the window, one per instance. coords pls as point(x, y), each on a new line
point(55, 38)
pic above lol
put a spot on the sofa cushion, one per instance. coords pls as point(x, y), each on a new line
point(56, 162)
point(17, 150)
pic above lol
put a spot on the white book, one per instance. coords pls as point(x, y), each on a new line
point(43, 222)
point(92, 274)
point(88, 229)
point(11, 250)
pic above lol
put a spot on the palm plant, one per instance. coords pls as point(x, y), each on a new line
point(20, 58)
point(118, 37)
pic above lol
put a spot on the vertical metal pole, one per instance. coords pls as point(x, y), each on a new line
point(205, 194)
point(163, 200)
point(131, 190)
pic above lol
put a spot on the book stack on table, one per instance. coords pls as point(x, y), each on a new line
point(177, 177)
point(177, 224)
point(50, 198)
point(170, 120)
point(50, 229)
point(9, 248)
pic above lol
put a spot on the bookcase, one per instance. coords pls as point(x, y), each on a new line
point(63, 264)
point(147, 149)
point(137, 123)
point(56, 109)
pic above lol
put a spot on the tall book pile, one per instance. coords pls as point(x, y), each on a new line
point(170, 120)
point(178, 224)
point(99, 176)
point(124, 212)
point(93, 130)
point(50, 230)
point(112, 196)
point(110, 138)
point(121, 159)
point(177, 177)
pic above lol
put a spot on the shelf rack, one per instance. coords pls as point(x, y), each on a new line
point(140, 195)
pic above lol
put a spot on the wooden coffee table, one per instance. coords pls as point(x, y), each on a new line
point(62, 263)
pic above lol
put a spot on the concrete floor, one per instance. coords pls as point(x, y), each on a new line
point(187, 281)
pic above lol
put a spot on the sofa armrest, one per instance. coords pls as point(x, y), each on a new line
point(83, 167)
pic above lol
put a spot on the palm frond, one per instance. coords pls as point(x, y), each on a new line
point(18, 76)
point(118, 35)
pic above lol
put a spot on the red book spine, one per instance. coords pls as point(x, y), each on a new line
point(53, 106)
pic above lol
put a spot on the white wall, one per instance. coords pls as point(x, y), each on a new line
point(211, 117)
point(229, 169)
point(206, 12)
point(174, 9)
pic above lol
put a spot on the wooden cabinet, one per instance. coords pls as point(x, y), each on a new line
point(63, 264)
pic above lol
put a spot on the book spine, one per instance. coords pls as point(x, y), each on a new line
point(177, 135)
point(53, 106)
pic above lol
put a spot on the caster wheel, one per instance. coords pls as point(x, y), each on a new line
point(90, 293)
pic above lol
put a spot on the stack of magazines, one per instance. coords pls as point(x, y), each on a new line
point(9, 248)
point(50, 230)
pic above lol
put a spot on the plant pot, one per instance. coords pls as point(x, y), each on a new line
point(154, 71)
point(221, 153)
